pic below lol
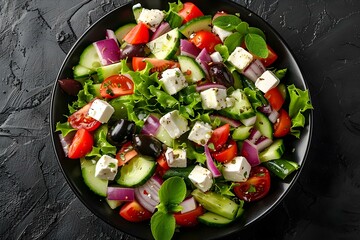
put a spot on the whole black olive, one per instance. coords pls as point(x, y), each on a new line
point(121, 132)
point(134, 50)
point(219, 73)
point(147, 145)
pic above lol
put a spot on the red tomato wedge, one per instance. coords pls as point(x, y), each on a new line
point(134, 212)
point(204, 39)
point(81, 144)
point(81, 120)
point(271, 58)
point(139, 34)
point(162, 165)
point(125, 154)
point(227, 153)
point(158, 65)
point(189, 219)
point(256, 187)
point(275, 98)
point(189, 12)
point(220, 136)
point(282, 125)
point(116, 86)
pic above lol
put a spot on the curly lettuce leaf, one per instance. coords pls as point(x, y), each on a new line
point(101, 141)
point(84, 96)
point(65, 128)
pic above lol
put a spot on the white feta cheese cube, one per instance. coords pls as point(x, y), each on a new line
point(101, 110)
point(151, 17)
point(174, 124)
point(237, 170)
point(173, 80)
point(240, 58)
point(200, 133)
point(216, 57)
point(106, 167)
point(201, 177)
point(176, 158)
point(267, 81)
point(213, 98)
point(221, 33)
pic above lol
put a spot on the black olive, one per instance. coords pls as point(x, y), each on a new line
point(147, 145)
point(219, 73)
point(134, 50)
point(121, 132)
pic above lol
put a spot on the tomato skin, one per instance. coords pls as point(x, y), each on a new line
point(139, 34)
point(228, 153)
point(81, 144)
point(260, 179)
point(275, 98)
point(125, 154)
point(189, 219)
point(159, 65)
point(220, 136)
point(162, 165)
point(134, 212)
point(282, 125)
point(81, 120)
point(204, 39)
point(116, 85)
point(271, 58)
point(189, 12)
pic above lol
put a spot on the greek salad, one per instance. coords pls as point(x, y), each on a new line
point(180, 117)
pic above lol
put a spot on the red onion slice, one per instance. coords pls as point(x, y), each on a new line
point(187, 48)
point(254, 70)
point(111, 35)
point(223, 119)
point(273, 116)
point(207, 86)
point(210, 163)
point(163, 28)
point(188, 205)
point(254, 135)
point(66, 141)
point(108, 51)
point(262, 143)
point(119, 193)
point(151, 125)
point(203, 59)
point(265, 109)
point(250, 152)
point(148, 194)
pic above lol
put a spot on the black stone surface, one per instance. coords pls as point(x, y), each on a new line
point(37, 203)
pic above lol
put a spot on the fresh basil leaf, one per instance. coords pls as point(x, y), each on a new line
point(257, 31)
point(225, 189)
point(227, 22)
point(172, 191)
point(256, 45)
point(162, 225)
point(223, 50)
point(65, 128)
point(243, 28)
point(233, 41)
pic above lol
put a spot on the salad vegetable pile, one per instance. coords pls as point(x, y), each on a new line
point(180, 118)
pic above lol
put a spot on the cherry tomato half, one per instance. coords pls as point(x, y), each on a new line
point(282, 125)
point(158, 65)
point(81, 120)
point(189, 12)
point(275, 98)
point(271, 58)
point(256, 187)
point(125, 154)
point(220, 136)
point(227, 153)
point(81, 144)
point(162, 166)
point(204, 39)
point(139, 34)
point(189, 219)
point(116, 85)
point(134, 212)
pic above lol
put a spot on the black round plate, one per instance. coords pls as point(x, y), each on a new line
point(71, 168)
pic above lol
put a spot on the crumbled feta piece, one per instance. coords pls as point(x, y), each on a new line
point(213, 98)
point(176, 158)
point(174, 124)
point(151, 17)
point(216, 57)
point(200, 133)
point(101, 110)
point(221, 33)
point(267, 81)
point(240, 58)
point(106, 167)
point(237, 170)
point(201, 177)
point(173, 80)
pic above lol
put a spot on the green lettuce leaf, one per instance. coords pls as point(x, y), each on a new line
point(65, 128)
point(101, 141)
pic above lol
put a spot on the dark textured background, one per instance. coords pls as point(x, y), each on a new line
point(37, 203)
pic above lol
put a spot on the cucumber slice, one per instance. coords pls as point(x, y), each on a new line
point(195, 25)
point(89, 58)
point(121, 32)
point(109, 70)
point(113, 203)
point(137, 8)
point(214, 220)
point(274, 151)
point(264, 125)
point(165, 46)
point(163, 136)
point(81, 72)
point(241, 133)
point(180, 172)
point(97, 185)
point(137, 171)
point(216, 203)
point(191, 68)
point(242, 108)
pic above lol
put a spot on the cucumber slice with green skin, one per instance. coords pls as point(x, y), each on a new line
point(165, 46)
point(281, 167)
point(97, 185)
point(195, 25)
point(214, 220)
point(136, 172)
point(113, 203)
point(180, 172)
point(109, 70)
point(163, 136)
point(137, 8)
point(216, 203)
point(274, 151)
point(242, 108)
point(264, 125)
point(89, 58)
point(121, 32)
point(81, 72)
point(241, 133)
point(191, 68)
